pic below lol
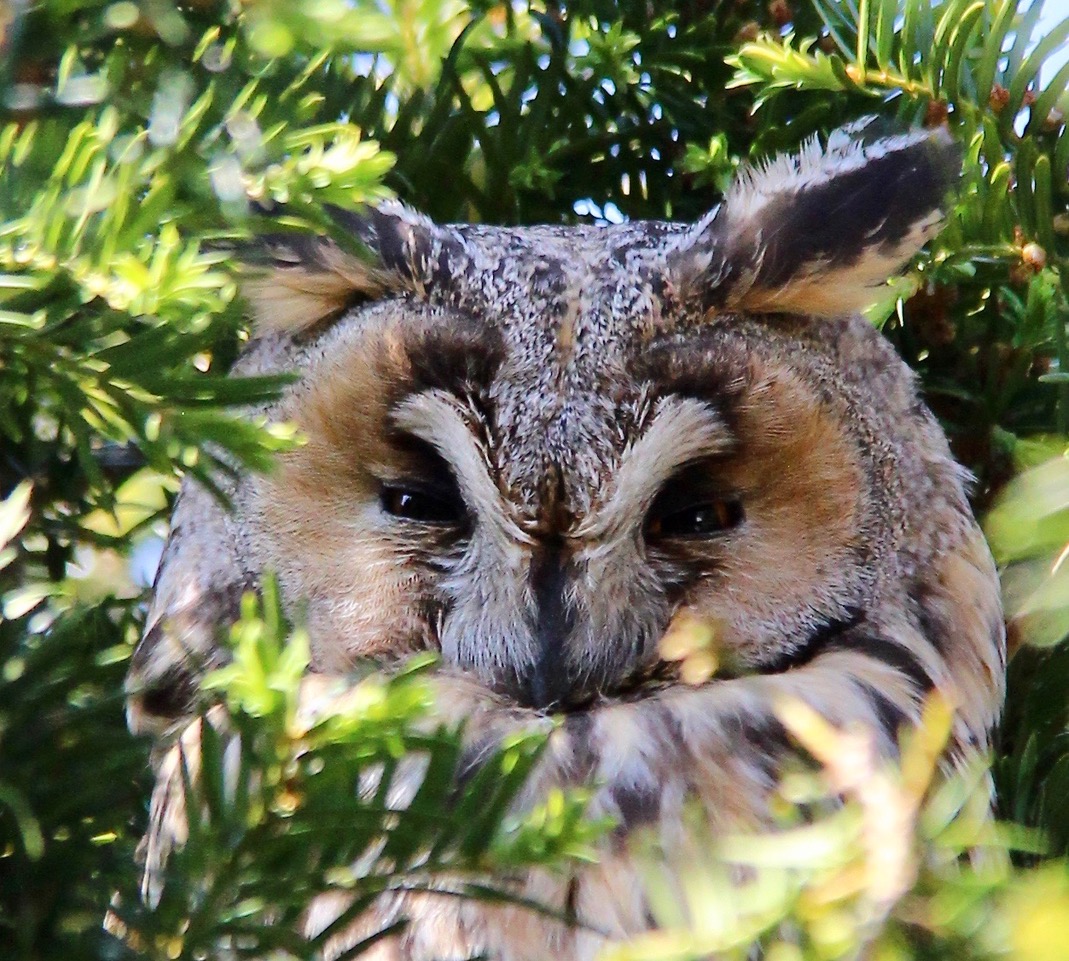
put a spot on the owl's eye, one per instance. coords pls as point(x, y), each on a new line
point(699, 520)
point(693, 506)
point(422, 506)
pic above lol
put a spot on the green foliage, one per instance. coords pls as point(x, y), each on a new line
point(1029, 535)
point(72, 782)
point(987, 331)
point(133, 136)
point(875, 868)
point(282, 801)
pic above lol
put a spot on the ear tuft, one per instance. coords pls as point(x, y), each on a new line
point(297, 281)
point(306, 280)
point(815, 233)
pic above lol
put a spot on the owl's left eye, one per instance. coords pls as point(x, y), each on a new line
point(693, 505)
point(698, 520)
point(422, 506)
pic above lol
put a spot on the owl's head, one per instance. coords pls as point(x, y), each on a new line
point(530, 449)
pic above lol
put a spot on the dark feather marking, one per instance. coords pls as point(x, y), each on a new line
point(384, 233)
point(171, 692)
point(638, 804)
point(361, 223)
point(767, 732)
point(422, 253)
point(406, 246)
point(764, 736)
point(582, 756)
point(767, 741)
point(930, 625)
point(170, 695)
point(293, 251)
point(549, 280)
point(571, 899)
point(672, 732)
point(396, 244)
point(198, 623)
point(549, 683)
point(827, 635)
point(459, 357)
point(890, 716)
point(836, 219)
point(705, 366)
point(890, 653)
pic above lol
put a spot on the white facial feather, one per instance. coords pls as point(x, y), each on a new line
point(680, 431)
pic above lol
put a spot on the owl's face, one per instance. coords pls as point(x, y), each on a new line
point(554, 440)
point(538, 508)
point(531, 449)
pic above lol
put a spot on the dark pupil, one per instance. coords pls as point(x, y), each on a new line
point(699, 520)
point(420, 506)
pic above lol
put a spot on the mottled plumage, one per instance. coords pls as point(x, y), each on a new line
point(531, 449)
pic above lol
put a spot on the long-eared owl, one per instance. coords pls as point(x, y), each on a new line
point(530, 450)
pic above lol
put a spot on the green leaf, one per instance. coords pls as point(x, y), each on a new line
point(14, 514)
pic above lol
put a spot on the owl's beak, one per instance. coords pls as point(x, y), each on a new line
point(549, 684)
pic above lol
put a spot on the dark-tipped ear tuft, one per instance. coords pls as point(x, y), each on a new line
point(814, 233)
point(295, 281)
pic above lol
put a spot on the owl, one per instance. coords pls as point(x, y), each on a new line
point(531, 450)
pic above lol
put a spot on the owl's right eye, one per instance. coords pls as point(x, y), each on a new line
point(693, 505)
point(422, 506)
point(698, 520)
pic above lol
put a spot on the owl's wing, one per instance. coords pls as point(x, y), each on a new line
point(204, 572)
point(197, 592)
